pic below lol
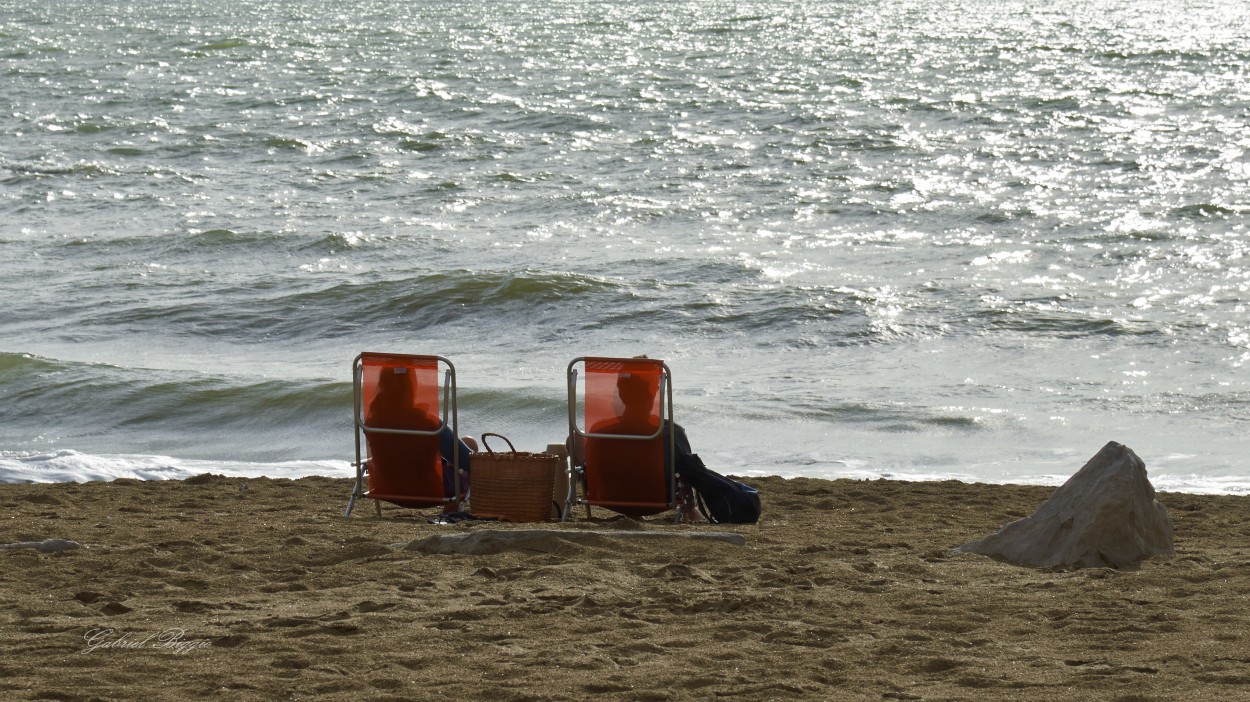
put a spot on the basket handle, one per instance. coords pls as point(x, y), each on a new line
point(487, 446)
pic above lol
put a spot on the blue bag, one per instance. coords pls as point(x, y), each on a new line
point(721, 500)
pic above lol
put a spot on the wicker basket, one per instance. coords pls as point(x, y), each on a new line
point(516, 486)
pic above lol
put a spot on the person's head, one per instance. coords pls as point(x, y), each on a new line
point(396, 384)
point(637, 391)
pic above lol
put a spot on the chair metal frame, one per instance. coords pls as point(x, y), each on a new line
point(577, 473)
point(447, 410)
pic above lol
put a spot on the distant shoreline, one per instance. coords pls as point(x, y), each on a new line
point(7, 477)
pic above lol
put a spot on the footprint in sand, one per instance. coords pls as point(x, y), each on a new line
point(680, 571)
point(41, 500)
point(114, 609)
point(232, 641)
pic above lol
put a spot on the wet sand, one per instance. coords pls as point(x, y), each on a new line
point(257, 589)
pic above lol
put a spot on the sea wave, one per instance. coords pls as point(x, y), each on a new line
point(206, 416)
point(74, 466)
point(160, 410)
point(48, 167)
point(678, 296)
point(64, 466)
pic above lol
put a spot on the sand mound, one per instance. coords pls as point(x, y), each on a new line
point(45, 546)
point(1105, 515)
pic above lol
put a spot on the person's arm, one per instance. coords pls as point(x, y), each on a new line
point(448, 444)
point(685, 461)
point(682, 443)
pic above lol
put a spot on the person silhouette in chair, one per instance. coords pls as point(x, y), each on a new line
point(637, 394)
point(394, 408)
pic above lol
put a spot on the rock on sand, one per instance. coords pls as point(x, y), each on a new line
point(1106, 515)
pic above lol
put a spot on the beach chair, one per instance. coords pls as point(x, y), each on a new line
point(399, 423)
point(619, 453)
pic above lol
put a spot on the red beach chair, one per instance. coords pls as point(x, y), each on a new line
point(400, 419)
point(618, 457)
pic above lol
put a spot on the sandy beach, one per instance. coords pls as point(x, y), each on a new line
point(259, 589)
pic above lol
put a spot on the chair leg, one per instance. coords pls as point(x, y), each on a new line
point(570, 493)
point(463, 501)
point(351, 501)
point(377, 504)
point(577, 478)
point(571, 500)
point(685, 502)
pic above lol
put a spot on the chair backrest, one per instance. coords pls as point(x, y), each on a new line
point(627, 401)
point(398, 413)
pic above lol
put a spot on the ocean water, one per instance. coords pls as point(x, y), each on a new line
point(929, 239)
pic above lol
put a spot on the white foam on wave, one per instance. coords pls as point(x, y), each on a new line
point(1163, 482)
point(66, 466)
